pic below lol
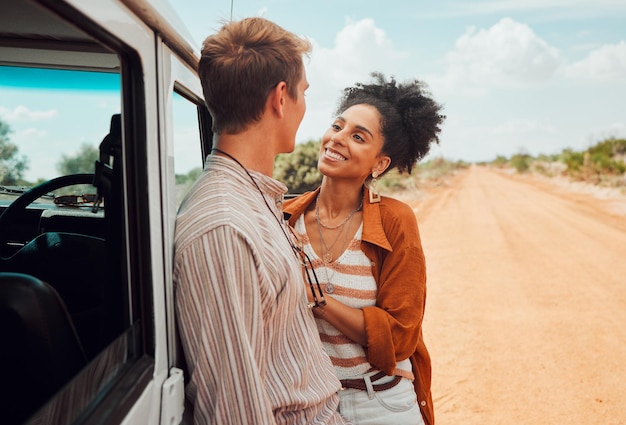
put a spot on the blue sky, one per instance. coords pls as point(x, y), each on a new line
point(57, 117)
point(513, 75)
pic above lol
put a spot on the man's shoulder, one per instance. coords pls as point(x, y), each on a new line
point(210, 204)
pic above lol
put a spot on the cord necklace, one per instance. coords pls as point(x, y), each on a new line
point(298, 251)
point(293, 247)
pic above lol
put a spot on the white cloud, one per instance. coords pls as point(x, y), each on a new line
point(509, 54)
point(606, 63)
point(360, 48)
point(559, 9)
point(23, 114)
point(522, 126)
point(33, 132)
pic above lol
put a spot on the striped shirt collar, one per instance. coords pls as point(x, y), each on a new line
point(269, 186)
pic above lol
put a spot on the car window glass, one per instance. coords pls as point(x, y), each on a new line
point(187, 145)
point(60, 114)
point(53, 121)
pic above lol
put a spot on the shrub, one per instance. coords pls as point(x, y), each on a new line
point(298, 169)
point(521, 162)
point(573, 160)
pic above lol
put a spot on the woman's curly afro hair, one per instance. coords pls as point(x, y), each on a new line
point(410, 118)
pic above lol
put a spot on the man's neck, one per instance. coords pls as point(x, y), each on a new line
point(249, 150)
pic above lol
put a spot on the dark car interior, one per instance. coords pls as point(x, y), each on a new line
point(84, 251)
point(64, 295)
point(61, 302)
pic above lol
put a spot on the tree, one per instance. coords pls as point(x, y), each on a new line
point(189, 178)
point(521, 162)
point(298, 169)
point(12, 167)
point(82, 162)
point(184, 182)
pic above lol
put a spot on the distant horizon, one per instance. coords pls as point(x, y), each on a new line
point(517, 75)
point(513, 77)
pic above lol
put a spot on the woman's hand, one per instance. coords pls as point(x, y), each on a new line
point(349, 321)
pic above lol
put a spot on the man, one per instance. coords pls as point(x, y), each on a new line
point(250, 342)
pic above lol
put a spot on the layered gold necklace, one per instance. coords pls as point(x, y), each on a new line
point(327, 256)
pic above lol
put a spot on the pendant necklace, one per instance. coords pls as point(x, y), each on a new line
point(348, 217)
point(327, 256)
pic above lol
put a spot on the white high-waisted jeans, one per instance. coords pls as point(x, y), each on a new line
point(395, 406)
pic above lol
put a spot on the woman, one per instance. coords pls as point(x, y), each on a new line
point(366, 251)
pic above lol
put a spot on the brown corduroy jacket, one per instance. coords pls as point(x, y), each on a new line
point(392, 242)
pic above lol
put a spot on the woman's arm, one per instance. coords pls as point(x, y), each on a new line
point(348, 320)
point(394, 325)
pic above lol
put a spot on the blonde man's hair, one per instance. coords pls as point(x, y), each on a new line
point(242, 63)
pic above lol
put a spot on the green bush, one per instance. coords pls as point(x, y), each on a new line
point(500, 161)
point(189, 178)
point(394, 181)
point(521, 162)
point(433, 170)
point(298, 169)
point(609, 148)
point(573, 160)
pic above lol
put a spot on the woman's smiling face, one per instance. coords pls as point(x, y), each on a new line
point(351, 147)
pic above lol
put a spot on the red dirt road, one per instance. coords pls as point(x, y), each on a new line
point(526, 308)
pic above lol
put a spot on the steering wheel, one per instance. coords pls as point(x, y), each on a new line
point(13, 210)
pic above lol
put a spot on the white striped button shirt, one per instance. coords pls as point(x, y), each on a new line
point(250, 342)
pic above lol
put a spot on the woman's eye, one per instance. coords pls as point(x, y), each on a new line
point(335, 126)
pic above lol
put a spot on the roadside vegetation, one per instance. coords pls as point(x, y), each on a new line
point(12, 165)
point(602, 164)
point(298, 170)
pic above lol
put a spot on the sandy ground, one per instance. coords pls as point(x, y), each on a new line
point(526, 308)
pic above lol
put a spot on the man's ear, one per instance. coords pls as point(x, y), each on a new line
point(277, 98)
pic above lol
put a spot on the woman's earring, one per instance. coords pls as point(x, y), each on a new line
point(374, 196)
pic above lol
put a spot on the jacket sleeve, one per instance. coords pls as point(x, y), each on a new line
point(394, 324)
